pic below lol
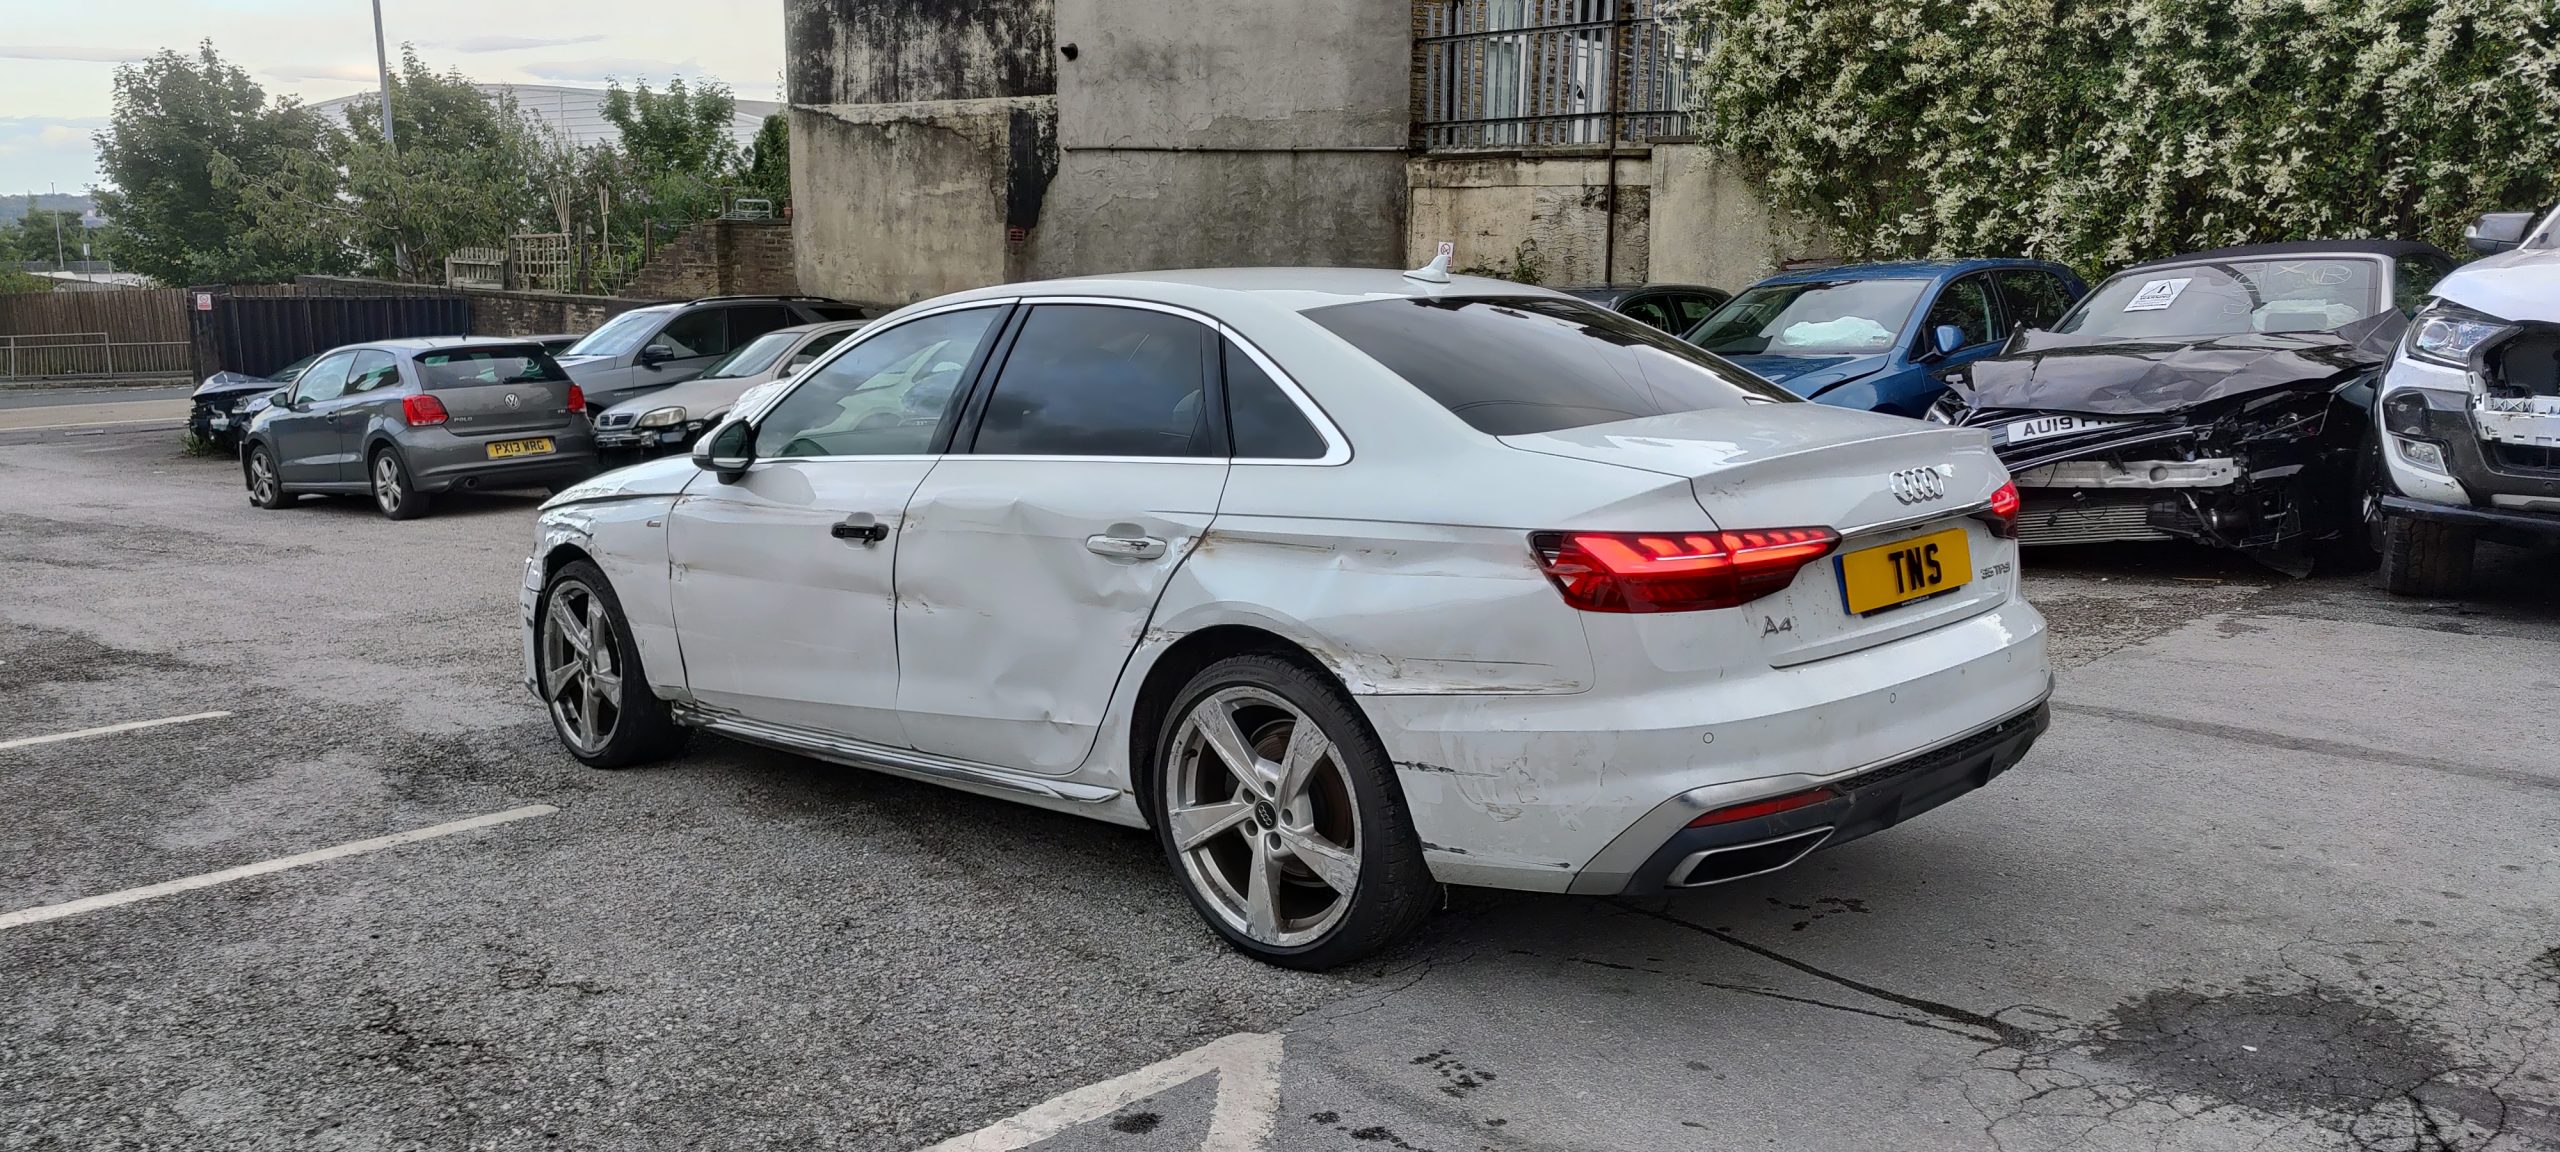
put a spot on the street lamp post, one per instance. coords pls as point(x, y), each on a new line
point(57, 229)
point(382, 67)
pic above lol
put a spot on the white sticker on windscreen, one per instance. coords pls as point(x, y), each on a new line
point(2157, 294)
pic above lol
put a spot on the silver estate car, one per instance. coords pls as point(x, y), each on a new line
point(672, 417)
point(406, 419)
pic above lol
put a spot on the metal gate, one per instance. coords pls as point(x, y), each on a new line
point(261, 334)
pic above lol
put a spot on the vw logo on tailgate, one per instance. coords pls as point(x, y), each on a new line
point(514, 401)
point(1919, 485)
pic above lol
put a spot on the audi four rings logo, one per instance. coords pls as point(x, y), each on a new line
point(1919, 485)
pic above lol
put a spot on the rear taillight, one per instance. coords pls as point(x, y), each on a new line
point(577, 399)
point(422, 409)
point(1677, 571)
point(1756, 809)
point(2002, 515)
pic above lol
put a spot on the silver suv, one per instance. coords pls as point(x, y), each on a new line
point(646, 349)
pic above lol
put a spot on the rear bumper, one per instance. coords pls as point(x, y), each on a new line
point(449, 462)
point(1585, 792)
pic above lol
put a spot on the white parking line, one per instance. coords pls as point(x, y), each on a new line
point(109, 730)
point(279, 864)
point(1248, 1068)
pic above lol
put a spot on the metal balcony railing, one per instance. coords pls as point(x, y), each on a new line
point(1545, 73)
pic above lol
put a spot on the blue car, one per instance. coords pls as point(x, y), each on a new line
point(1883, 336)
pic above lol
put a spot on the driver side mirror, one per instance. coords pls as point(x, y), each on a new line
point(656, 354)
point(2497, 232)
point(727, 451)
point(1944, 340)
point(281, 398)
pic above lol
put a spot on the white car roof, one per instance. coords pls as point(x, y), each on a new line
point(1295, 289)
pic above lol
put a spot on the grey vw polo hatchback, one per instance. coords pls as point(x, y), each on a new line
point(402, 420)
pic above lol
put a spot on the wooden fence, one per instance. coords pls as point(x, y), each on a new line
point(94, 333)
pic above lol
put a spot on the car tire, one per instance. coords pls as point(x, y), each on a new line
point(2358, 545)
point(2425, 557)
point(605, 716)
point(1265, 860)
point(395, 495)
point(265, 483)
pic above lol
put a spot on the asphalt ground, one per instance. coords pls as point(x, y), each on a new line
point(2282, 875)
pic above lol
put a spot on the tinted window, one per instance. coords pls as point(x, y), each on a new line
point(2412, 279)
point(1510, 365)
point(2228, 298)
point(463, 367)
point(326, 380)
point(748, 321)
point(753, 358)
point(1093, 380)
point(1262, 422)
point(1693, 309)
point(1966, 304)
point(619, 335)
point(373, 369)
point(1653, 310)
point(883, 397)
point(701, 333)
point(1817, 318)
point(2036, 299)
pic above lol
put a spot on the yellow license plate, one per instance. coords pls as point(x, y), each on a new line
point(510, 449)
point(1874, 579)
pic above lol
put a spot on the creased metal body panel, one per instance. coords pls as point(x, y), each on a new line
point(781, 619)
point(1014, 615)
point(618, 520)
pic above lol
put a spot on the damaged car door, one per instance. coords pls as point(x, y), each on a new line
point(1034, 554)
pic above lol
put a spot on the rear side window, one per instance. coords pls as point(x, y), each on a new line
point(1262, 421)
point(465, 367)
point(1515, 365)
point(703, 333)
point(374, 368)
point(1651, 310)
point(748, 321)
point(2036, 299)
point(1094, 380)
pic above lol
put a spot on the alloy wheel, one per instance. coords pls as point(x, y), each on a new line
point(1263, 817)
point(386, 481)
point(262, 478)
point(581, 666)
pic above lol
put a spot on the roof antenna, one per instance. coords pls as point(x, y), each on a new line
point(1437, 271)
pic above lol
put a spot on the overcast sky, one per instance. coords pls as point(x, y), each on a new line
point(57, 61)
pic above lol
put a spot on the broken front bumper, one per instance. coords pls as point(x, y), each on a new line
point(2453, 458)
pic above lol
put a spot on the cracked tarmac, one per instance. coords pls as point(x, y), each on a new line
point(2284, 875)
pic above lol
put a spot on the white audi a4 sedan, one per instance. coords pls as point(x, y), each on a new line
point(1346, 583)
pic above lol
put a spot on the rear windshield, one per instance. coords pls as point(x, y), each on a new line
point(464, 367)
point(1509, 365)
point(619, 335)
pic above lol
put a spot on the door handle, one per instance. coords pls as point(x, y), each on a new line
point(861, 526)
point(1125, 547)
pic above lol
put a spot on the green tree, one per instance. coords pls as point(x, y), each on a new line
point(179, 120)
point(768, 166)
point(683, 130)
point(2098, 131)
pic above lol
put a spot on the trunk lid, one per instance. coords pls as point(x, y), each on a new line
point(498, 389)
point(1881, 481)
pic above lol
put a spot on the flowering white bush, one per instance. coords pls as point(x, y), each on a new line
point(2097, 133)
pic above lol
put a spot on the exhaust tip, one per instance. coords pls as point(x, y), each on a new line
point(1742, 861)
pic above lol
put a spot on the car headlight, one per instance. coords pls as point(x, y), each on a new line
point(2448, 333)
point(660, 418)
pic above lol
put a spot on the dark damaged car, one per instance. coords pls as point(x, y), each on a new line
point(225, 403)
point(2223, 397)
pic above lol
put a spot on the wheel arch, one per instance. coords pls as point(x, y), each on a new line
point(1183, 659)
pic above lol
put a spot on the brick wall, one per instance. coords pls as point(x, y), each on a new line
point(721, 258)
point(493, 313)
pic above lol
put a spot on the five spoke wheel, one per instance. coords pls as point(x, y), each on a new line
point(581, 667)
point(1261, 815)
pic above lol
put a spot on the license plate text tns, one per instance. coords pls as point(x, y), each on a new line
point(1873, 579)
point(510, 449)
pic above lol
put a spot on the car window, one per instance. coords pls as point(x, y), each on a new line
point(288, 373)
point(465, 367)
point(884, 396)
point(2413, 278)
point(703, 332)
point(1693, 308)
point(619, 336)
point(837, 311)
point(2035, 299)
point(1812, 318)
point(325, 380)
point(1095, 380)
point(809, 352)
point(1965, 304)
point(2231, 297)
point(748, 321)
point(752, 358)
point(1652, 310)
point(1516, 364)
point(373, 369)
point(1262, 421)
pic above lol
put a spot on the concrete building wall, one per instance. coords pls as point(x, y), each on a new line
point(1490, 206)
point(1715, 226)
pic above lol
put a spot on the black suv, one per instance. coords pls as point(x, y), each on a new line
point(649, 348)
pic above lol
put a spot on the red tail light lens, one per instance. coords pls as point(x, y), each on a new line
point(2002, 516)
point(422, 409)
point(1677, 571)
point(577, 399)
point(1770, 807)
